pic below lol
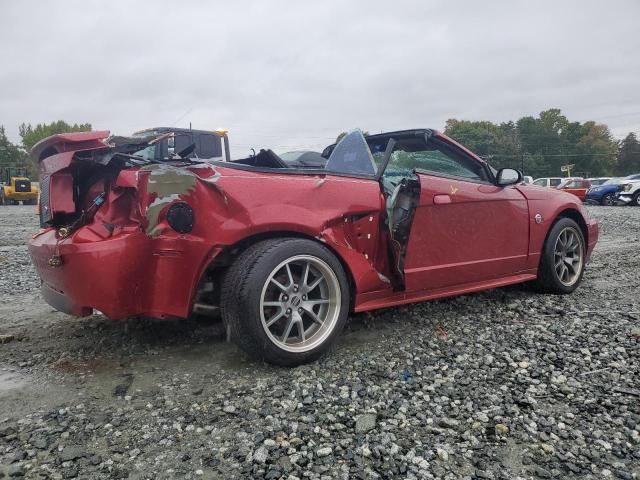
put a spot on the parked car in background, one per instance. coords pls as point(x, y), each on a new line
point(288, 252)
point(575, 186)
point(606, 193)
point(548, 181)
point(629, 191)
point(598, 180)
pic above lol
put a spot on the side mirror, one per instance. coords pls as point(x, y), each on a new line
point(508, 176)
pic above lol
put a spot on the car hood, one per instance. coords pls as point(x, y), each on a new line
point(604, 188)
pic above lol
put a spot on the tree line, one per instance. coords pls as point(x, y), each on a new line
point(539, 146)
point(542, 145)
point(15, 159)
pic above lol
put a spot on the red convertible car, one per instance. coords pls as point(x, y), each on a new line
point(287, 251)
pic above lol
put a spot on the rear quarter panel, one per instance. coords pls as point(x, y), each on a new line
point(232, 205)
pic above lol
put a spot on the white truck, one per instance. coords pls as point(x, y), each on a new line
point(629, 193)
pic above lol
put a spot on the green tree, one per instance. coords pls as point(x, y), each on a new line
point(499, 145)
point(629, 155)
point(13, 160)
point(341, 135)
point(31, 135)
point(539, 145)
point(595, 152)
point(546, 136)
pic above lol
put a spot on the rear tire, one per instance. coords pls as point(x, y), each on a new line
point(285, 301)
point(563, 258)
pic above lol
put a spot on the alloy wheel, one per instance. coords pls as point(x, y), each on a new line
point(300, 303)
point(568, 256)
point(608, 200)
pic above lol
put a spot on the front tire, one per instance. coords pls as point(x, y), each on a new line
point(563, 258)
point(635, 200)
point(285, 300)
point(608, 200)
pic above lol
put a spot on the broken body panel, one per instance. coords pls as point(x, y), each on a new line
point(107, 242)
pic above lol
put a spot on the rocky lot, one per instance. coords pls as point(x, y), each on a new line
point(508, 384)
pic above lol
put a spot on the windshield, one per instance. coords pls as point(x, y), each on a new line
point(612, 181)
point(148, 153)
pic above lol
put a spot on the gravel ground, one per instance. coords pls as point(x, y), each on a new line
point(506, 384)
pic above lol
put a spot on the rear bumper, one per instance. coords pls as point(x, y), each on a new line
point(123, 276)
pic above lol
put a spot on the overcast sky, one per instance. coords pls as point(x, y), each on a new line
point(293, 74)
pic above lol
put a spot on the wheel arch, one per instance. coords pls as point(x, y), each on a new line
point(216, 267)
point(577, 217)
point(572, 214)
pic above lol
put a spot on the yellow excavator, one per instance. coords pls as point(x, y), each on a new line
point(18, 188)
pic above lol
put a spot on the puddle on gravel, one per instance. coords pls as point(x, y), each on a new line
point(10, 381)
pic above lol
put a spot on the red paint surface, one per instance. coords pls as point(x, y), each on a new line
point(578, 188)
point(465, 236)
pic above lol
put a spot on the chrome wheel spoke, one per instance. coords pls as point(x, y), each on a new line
point(289, 274)
point(305, 276)
point(287, 330)
point(303, 336)
point(568, 256)
point(272, 304)
point(275, 318)
point(312, 315)
point(279, 285)
point(315, 283)
point(319, 301)
point(293, 319)
point(563, 240)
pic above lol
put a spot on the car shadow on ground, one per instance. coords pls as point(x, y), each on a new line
point(94, 338)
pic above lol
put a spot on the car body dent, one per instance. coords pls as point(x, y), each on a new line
point(628, 190)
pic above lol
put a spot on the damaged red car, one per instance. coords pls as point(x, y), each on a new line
point(286, 250)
